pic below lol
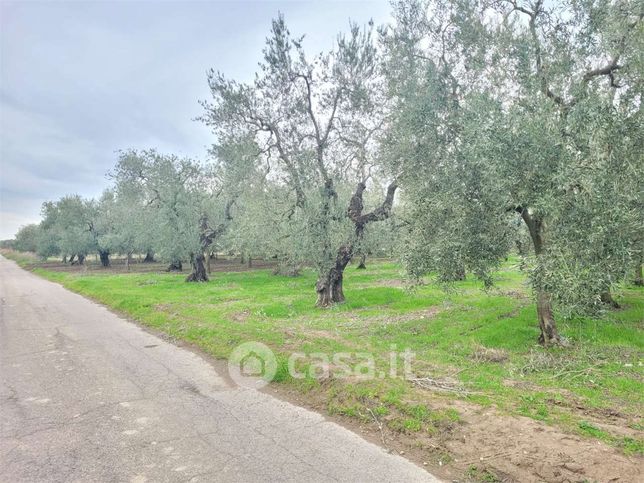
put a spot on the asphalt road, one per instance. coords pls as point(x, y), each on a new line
point(88, 396)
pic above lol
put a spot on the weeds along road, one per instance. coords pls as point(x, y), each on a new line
point(88, 396)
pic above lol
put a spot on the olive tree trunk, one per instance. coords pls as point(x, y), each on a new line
point(549, 333)
point(149, 257)
point(206, 237)
point(105, 258)
point(198, 273)
point(208, 264)
point(329, 283)
point(175, 266)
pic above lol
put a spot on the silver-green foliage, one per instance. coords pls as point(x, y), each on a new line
point(315, 122)
point(167, 196)
point(528, 109)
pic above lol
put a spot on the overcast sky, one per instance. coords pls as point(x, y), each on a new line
point(81, 80)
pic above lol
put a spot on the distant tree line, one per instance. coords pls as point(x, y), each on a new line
point(461, 132)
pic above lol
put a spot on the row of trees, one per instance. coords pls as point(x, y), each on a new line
point(505, 123)
point(177, 210)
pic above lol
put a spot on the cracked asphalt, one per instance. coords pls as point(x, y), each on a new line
point(88, 396)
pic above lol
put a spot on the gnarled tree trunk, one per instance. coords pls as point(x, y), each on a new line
point(198, 269)
point(206, 237)
point(329, 284)
point(81, 259)
point(549, 333)
point(361, 264)
point(175, 266)
point(149, 257)
point(105, 258)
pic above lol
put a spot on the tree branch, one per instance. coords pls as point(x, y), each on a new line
point(380, 213)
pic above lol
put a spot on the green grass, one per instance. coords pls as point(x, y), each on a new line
point(484, 476)
point(23, 259)
point(484, 343)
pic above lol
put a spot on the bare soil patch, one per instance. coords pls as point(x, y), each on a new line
point(240, 317)
point(518, 448)
point(118, 265)
point(488, 445)
point(357, 319)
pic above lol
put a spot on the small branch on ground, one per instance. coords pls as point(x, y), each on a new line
point(438, 385)
point(382, 431)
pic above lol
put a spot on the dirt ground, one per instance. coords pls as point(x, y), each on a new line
point(488, 446)
point(117, 265)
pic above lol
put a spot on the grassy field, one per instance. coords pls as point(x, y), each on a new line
point(471, 346)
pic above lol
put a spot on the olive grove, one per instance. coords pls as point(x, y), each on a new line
point(316, 121)
point(508, 125)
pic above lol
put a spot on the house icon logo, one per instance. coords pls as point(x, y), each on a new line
point(252, 365)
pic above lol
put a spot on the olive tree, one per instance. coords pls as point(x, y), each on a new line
point(188, 205)
point(316, 123)
point(121, 226)
point(521, 109)
point(168, 186)
point(133, 218)
point(267, 233)
point(48, 242)
point(102, 227)
point(68, 224)
point(26, 239)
